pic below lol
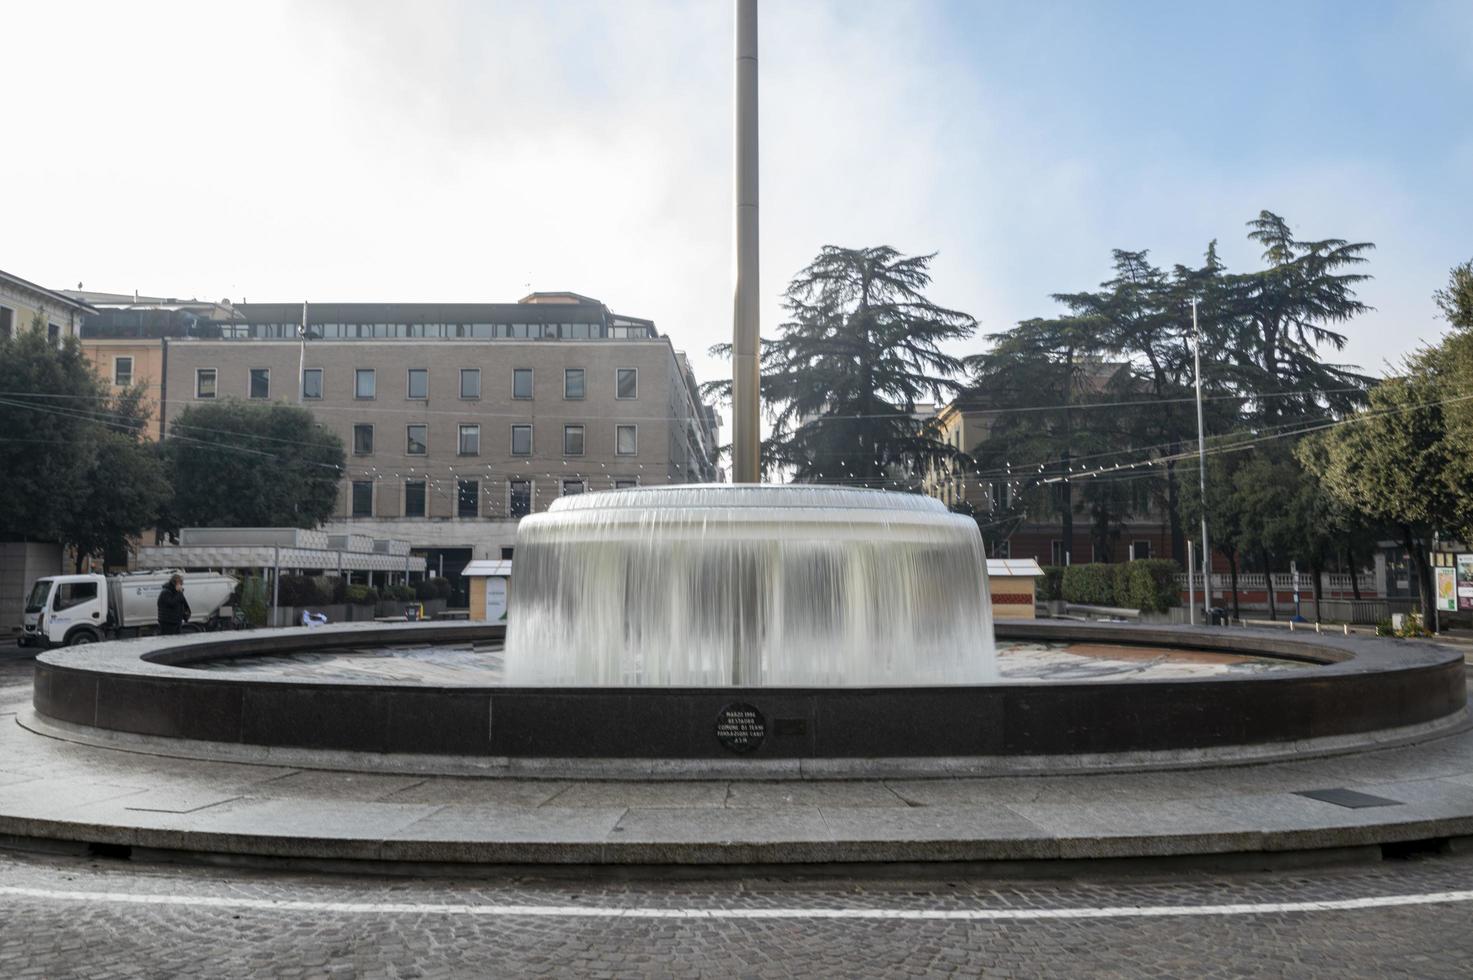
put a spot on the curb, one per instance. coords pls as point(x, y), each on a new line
point(717, 853)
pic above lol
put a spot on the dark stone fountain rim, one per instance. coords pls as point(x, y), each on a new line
point(173, 657)
point(1364, 686)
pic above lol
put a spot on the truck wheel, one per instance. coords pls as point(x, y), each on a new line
point(78, 637)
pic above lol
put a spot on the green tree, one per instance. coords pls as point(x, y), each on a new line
point(1143, 317)
point(1404, 462)
point(77, 471)
point(1113, 379)
point(1394, 465)
point(49, 414)
point(1456, 301)
point(1226, 516)
point(126, 489)
point(1287, 311)
point(862, 345)
point(1035, 378)
point(235, 464)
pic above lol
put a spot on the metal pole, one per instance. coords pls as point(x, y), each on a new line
point(1436, 612)
point(1191, 589)
point(302, 357)
point(275, 586)
point(746, 323)
point(1202, 470)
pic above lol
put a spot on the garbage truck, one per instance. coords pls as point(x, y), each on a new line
point(65, 610)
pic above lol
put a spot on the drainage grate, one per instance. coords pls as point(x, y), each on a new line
point(121, 852)
point(1340, 796)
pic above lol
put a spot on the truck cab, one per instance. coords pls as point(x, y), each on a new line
point(66, 610)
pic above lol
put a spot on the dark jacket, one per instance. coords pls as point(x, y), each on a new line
point(173, 607)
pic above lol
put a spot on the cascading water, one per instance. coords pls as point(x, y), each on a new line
point(748, 585)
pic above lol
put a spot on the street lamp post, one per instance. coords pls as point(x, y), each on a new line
point(1202, 470)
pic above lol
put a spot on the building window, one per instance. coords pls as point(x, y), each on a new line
point(362, 439)
point(467, 497)
point(414, 498)
point(573, 383)
point(572, 487)
point(521, 383)
point(365, 384)
point(625, 483)
point(312, 383)
point(507, 551)
point(204, 382)
point(628, 383)
point(519, 498)
point(260, 383)
point(470, 382)
point(1002, 496)
point(416, 437)
point(1140, 549)
point(418, 384)
point(1056, 552)
point(521, 440)
point(7, 323)
point(53, 334)
point(123, 371)
point(362, 498)
point(572, 440)
point(470, 440)
point(626, 440)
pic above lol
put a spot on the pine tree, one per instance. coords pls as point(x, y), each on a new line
point(1288, 310)
point(861, 348)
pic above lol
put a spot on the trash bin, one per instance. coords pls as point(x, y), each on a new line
point(1219, 616)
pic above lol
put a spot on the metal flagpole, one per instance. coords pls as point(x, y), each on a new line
point(1202, 471)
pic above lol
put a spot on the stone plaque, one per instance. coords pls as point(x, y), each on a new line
point(740, 727)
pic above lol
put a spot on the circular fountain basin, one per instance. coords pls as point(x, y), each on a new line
point(479, 663)
point(743, 586)
point(1332, 693)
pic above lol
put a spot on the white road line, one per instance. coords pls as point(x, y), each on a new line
point(639, 912)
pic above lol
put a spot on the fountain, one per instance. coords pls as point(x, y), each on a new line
point(755, 586)
point(749, 629)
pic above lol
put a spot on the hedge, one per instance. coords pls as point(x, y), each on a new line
point(1089, 585)
point(1153, 585)
point(432, 588)
point(253, 602)
point(1048, 588)
point(360, 595)
point(1148, 585)
point(304, 590)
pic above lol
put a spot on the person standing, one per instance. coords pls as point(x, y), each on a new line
point(173, 607)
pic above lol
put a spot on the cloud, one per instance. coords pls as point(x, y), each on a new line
point(460, 150)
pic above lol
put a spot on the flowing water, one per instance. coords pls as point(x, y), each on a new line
point(726, 585)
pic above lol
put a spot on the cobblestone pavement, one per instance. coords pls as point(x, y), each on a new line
point(138, 920)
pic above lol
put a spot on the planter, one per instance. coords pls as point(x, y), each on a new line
point(354, 613)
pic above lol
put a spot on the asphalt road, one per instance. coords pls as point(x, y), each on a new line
point(73, 916)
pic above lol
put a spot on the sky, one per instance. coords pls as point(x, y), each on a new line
point(470, 150)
